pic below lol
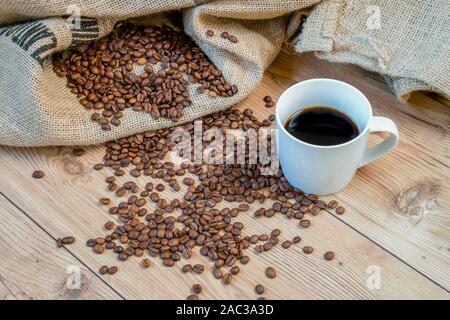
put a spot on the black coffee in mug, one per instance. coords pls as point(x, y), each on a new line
point(323, 126)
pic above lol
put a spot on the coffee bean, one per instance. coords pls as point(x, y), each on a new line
point(98, 166)
point(259, 288)
point(109, 225)
point(296, 239)
point(286, 244)
point(68, 240)
point(186, 268)
point(103, 270)
point(305, 223)
point(59, 243)
point(267, 99)
point(113, 269)
point(329, 255)
point(78, 152)
point(197, 289)
point(308, 249)
point(275, 232)
point(340, 210)
point(270, 272)
point(98, 249)
point(210, 33)
point(192, 297)
point(146, 263)
point(168, 262)
point(332, 204)
point(225, 35)
point(198, 268)
point(235, 270)
point(217, 273)
point(38, 174)
point(105, 201)
point(233, 39)
point(227, 278)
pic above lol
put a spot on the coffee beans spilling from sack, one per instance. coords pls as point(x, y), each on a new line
point(178, 225)
point(106, 79)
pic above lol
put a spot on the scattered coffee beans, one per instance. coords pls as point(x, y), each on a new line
point(340, 210)
point(210, 33)
point(177, 226)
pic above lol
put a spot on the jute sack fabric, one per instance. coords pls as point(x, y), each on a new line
point(36, 107)
point(408, 42)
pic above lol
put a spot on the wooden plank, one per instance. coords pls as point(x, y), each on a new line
point(33, 268)
point(401, 201)
point(66, 202)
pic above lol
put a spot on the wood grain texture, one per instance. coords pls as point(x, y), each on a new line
point(32, 267)
point(373, 231)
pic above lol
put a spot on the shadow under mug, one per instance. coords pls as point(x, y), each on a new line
point(325, 170)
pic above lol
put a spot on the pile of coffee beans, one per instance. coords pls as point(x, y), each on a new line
point(105, 78)
point(176, 227)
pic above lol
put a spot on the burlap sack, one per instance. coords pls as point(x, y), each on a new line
point(408, 42)
point(36, 108)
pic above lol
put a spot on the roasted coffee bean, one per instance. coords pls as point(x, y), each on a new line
point(329, 255)
point(308, 249)
point(197, 288)
point(275, 232)
point(210, 33)
point(109, 225)
point(78, 152)
point(245, 259)
point(305, 223)
point(217, 273)
point(146, 263)
point(225, 35)
point(233, 39)
point(259, 288)
point(286, 244)
point(296, 239)
point(105, 201)
point(192, 297)
point(68, 240)
point(270, 272)
point(38, 174)
point(235, 270)
point(186, 268)
point(267, 99)
point(198, 268)
point(98, 166)
point(113, 269)
point(98, 249)
point(168, 262)
point(340, 210)
point(227, 278)
point(59, 243)
point(332, 204)
point(269, 104)
point(103, 270)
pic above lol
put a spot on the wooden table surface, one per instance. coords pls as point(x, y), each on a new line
point(397, 223)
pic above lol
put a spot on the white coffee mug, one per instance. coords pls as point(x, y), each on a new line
point(325, 170)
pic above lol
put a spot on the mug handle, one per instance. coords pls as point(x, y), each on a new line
point(380, 124)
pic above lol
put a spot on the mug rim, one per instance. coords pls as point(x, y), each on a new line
point(298, 84)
